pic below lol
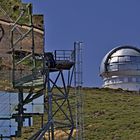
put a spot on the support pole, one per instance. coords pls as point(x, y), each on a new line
point(20, 111)
point(78, 91)
point(50, 116)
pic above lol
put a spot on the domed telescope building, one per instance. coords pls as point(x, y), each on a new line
point(120, 68)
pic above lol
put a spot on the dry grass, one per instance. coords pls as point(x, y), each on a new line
point(108, 114)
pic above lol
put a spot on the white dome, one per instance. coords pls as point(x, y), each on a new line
point(121, 65)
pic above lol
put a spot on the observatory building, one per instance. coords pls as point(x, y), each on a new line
point(120, 68)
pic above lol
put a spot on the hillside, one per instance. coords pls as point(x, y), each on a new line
point(109, 115)
point(112, 115)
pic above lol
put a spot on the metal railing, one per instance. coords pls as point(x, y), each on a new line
point(64, 55)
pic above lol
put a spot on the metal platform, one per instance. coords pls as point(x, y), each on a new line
point(28, 82)
point(64, 64)
point(60, 60)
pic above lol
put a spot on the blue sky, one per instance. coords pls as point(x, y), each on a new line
point(100, 24)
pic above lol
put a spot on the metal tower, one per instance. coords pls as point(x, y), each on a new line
point(50, 74)
point(79, 97)
point(59, 73)
point(54, 76)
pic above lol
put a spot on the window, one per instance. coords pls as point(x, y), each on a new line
point(127, 58)
point(122, 67)
point(129, 79)
point(134, 67)
point(138, 66)
point(113, 67)
point(133, 58)
point(125, 79)
point(121, 79)
point(138, 79)
point(133, 79)
point(114, 60)
point(122, 59)
point(138, 59)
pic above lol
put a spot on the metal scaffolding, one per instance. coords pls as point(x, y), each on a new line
point(48, 74)
point(27, 64)
point(58, 87)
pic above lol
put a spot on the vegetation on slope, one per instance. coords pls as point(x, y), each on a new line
point(109, 115)
point(13, 9)
point(112, 115)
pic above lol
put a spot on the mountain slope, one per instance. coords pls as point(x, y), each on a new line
point(108, 114)
point(112, 115)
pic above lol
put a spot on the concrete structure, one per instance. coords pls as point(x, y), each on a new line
point(120, 68)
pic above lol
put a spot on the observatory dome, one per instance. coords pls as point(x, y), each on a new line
point(120, 68)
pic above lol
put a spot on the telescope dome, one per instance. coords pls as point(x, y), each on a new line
point(120, 68)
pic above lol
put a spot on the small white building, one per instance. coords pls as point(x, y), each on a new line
point(120, 68)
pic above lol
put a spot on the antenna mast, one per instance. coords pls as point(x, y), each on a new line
point(78, 74)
